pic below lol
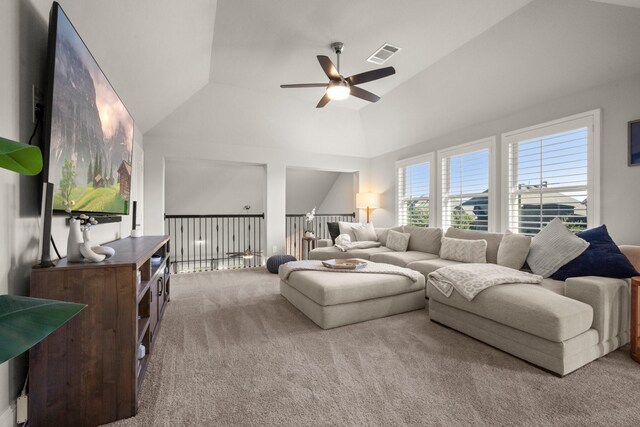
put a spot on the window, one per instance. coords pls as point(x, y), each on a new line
point(552, 172)
point(466, 174)
point(414, 191)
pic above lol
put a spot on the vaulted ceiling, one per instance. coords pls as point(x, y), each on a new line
point(210, 70)
point(463, 62)
point(261, 44)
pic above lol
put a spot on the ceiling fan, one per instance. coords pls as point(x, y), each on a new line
point(339, 87)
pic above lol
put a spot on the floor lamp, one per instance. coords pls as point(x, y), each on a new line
point(368, 201)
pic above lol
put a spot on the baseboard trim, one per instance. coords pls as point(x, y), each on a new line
point(8, 417)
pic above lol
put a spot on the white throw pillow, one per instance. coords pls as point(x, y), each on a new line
point(398, 241)
point(365, 232)
point(347, 228)
point(513, 250)
point(553, 247)
point(464, 250)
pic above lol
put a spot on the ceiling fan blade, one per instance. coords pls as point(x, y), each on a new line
point(304, 85)
point(363, 94)
point(368, 76)
point(328, 67)
point(323, 101)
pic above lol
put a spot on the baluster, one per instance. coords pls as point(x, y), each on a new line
point(217, 243)
point(260, 219)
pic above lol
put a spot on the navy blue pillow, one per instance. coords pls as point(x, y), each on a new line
point(602, 258)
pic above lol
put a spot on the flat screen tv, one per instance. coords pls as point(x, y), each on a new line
point(88, 132)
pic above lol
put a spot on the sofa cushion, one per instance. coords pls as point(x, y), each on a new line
point(610, 301)
point(424, 239)
point(553, 247)
point(401, 259)
point(323, 254)
point(555, 286)
point(464, 250)
point(513, 250)
point(329, 288)
point(398, 241)
point(528, 308)
point(493, 240)
point(602, 258)
point(428, 266)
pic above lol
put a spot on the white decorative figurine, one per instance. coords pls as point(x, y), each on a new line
point(309, 220)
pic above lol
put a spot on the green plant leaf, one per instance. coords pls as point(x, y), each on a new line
point(22, 158)
point(25, 321)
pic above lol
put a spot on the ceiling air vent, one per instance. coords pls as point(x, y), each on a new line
point(383, 54)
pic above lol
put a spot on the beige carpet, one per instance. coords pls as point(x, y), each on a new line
point(232, 351)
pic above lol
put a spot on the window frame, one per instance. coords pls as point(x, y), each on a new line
point(469, 147)
point(410, 161)
point(592, 120)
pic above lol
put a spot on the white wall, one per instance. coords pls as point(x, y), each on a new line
point(210, 187)
point(340, 198)
point(23, 49)
point(159, 149)
point(620, 194)
point(307, 189)
point(328, 192)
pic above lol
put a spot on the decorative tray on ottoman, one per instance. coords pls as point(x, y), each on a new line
point(345, 264)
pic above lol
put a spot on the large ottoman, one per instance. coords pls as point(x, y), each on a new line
point(333, 299)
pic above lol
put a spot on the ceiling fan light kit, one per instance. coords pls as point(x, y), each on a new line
point(339, 87)
point(338, 90)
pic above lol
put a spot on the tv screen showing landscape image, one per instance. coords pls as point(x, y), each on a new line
point(91, 131)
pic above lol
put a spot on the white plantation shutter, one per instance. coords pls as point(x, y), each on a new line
point(414, 191)
point(549, 175)
point(466, 186)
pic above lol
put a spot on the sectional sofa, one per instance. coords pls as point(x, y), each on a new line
point(557, 325)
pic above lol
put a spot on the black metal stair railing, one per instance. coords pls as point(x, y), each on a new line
point(208, 242)
point(295, 227)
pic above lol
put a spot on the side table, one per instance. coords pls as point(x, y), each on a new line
point(308, 243)
point(635, 319)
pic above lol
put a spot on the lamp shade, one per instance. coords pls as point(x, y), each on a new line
point(22, 158)
point(367, 200)
point(25, 321)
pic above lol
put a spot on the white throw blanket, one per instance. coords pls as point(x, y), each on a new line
point(470, 279)
point(371, 268)
point(348, 246)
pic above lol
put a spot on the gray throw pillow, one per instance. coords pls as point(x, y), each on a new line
point(464, 250)
point(553, 247)
point(365, 232)
point(424, 239)
point(381, 233)
point(513, 250)
point(398, 241)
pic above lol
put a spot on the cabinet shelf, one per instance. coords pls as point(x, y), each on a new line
point(143, 326)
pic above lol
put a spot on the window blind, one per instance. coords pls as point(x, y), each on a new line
point(465, 190)
point(548, 178)
point(414, 202)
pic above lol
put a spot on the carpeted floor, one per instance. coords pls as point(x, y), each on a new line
point(232, 351)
